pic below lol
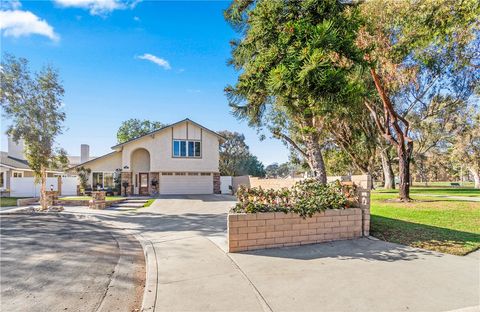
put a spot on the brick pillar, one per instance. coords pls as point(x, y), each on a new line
point(153, 189)
point(364, 201)
point(51, 197)
point(216, 183)
point(98, 200)
point(127, 177)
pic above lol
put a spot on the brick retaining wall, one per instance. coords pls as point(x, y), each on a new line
point(250, 231)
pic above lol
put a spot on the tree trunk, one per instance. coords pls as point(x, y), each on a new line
point(388, 175)
point(476, 177)
point(43, 189)
point(399, 138)
point(314, 157)
point(404, 171)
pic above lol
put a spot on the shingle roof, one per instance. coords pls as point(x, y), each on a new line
point(13, 162)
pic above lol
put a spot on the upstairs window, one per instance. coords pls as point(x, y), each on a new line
point(185, 148)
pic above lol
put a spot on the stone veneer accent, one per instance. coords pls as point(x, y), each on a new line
point(98, 200)
point(50, 197)
point(250, 231)
point(216, 183)
point(153, 190)
point(127, 177)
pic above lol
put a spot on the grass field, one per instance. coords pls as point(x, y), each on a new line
point(9, 201)
point(433, 223)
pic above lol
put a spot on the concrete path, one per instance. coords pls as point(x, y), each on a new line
point(186, 239)
point(461, 198)
point(53, 263)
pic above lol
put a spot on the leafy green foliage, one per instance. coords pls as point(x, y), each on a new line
point(33, 105)
point(134, 128)
point(296, 59)
point(83, 174)
point(305, 198)
point(235, 157)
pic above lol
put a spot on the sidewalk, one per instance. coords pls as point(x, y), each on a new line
point(461, 198)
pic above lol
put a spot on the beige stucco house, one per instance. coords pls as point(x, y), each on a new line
point(181, 158)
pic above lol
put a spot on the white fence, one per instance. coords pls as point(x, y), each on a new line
point(69, 186)
point(226, 184)
point(26, 187)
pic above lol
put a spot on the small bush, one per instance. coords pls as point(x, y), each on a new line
point(305, 198)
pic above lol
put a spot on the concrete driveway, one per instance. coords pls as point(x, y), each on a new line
point(52, 263)
point(194, 273)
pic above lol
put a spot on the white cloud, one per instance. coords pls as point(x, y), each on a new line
point(99, 7)
point(18, 23)
point(155, 59)
point(136, 19)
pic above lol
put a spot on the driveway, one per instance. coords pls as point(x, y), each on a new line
point(194, 273)
point(52, 263)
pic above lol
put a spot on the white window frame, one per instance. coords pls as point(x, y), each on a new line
point(187, 149)
point(103, 178)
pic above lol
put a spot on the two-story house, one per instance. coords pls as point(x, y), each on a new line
point(181, 158)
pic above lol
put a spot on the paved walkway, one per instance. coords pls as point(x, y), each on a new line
point(186, 236)
point(461, 198)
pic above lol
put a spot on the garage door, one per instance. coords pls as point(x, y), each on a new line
point(186, 184)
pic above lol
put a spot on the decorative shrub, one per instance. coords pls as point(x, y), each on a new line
point(304, 198)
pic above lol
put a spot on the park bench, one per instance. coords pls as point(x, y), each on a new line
point(456, 184)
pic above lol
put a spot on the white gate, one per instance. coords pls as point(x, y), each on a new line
point(26, 187)
point(69, 186)
point(226, 184)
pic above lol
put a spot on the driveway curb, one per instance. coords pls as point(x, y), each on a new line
point(151, 266)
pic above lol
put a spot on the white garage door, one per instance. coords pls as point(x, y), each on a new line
point(186, 184)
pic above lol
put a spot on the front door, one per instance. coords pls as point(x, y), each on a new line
point(143, 189)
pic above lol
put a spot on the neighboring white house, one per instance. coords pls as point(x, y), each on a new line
point(181, 158)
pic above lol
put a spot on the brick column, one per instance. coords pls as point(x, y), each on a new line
point(216, 183)
point(98, 200)
point(51, 197)
point(126, 177)
point(153, 190)
point(364, 203)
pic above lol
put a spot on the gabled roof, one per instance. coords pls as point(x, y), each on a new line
point(92, 159)
point(16, 163)
point(166, 127)
point(12, 162)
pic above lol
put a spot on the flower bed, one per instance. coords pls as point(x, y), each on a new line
point(305, 198)
point(307, 213)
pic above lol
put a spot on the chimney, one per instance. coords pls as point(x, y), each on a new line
point(15, 150)
point(84, 153)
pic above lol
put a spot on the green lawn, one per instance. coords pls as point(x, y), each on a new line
point(107, 198)
point(9, 201)
point(433, 223)
point(149, 202)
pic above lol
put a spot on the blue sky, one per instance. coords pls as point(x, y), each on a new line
point(153, 60)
